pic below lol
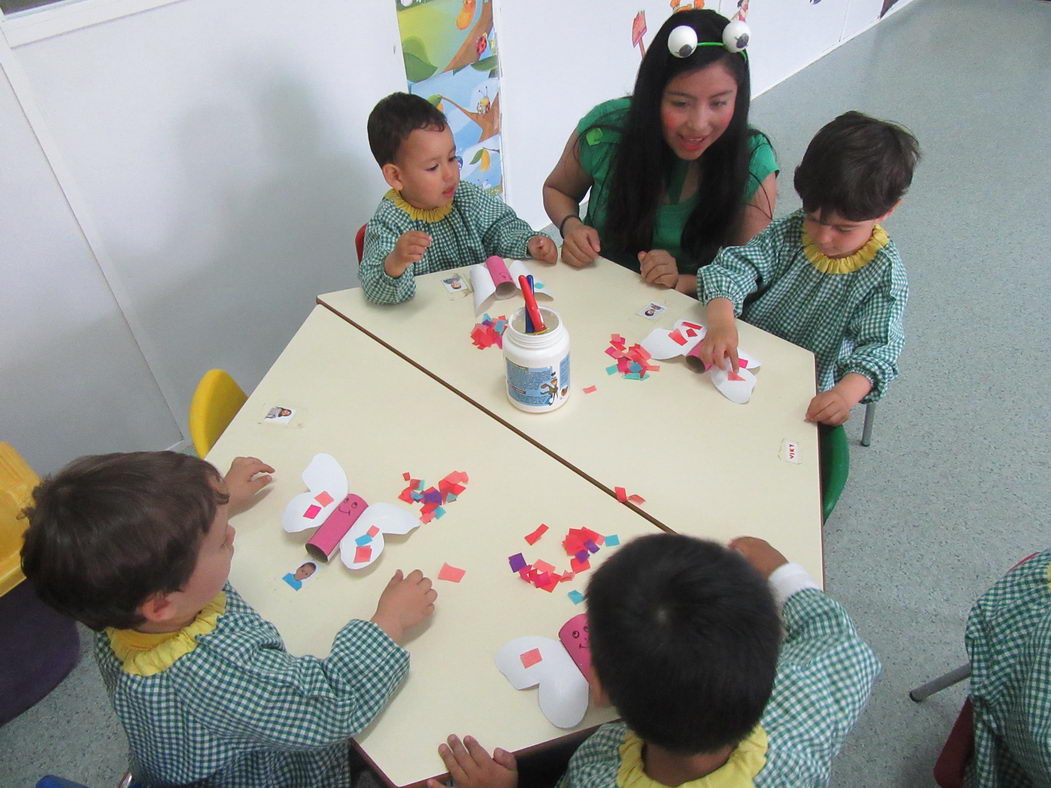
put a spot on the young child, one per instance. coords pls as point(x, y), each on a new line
point(138, 547)
point(692, 660)
point(430, 220)
point(827, 277)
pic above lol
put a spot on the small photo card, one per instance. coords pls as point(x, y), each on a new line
point(789, 451)
point(301, 575)
point(279, 414)
point(455, 285)
point(652, 311)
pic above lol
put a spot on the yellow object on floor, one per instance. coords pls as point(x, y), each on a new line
point(17, 481)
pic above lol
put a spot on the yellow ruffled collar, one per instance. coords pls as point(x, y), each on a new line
point(426, 215)
point(149, 653)
point(746, 761)
point(845, 265)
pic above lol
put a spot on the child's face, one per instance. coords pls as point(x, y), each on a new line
point(696, 108)
point(427, 170)
point(835, 236)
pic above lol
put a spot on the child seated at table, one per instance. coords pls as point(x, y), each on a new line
point(430, 220)
point(138, 547)
point(691, 657)
point(826, 277)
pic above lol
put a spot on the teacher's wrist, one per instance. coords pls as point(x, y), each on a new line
point(566, 218)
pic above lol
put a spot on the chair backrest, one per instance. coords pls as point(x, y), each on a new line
point(359, 242)
point(835, 467)
point(17, 481)
point(215, 403)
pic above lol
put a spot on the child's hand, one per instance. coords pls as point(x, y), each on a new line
point(658, 268)
point(758, 552)
point(542, 248)
point(410, 247)
point(472, 767)
point(404, 603)
point(580, 244)
point(833, 407)
point(246, 477)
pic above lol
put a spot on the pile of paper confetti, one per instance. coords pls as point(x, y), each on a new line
point(434, 499)
point(633, 363)
point(489, 332)
point(579, 544)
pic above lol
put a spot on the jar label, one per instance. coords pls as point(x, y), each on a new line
point(538, 387)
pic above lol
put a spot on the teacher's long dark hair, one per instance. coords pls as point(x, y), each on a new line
point(643, 161)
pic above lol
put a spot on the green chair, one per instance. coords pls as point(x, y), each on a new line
point(835, 466)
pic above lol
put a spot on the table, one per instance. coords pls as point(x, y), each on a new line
point(379, 416)
point(705, 466)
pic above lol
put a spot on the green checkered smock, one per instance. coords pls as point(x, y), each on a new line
point(240, 710)
point(1009, 642)
point(824, 676)
point(851, 321)
point(478, 226)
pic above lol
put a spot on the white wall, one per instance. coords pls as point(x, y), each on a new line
point(182, 177)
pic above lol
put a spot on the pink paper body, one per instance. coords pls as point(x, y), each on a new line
point(574, 636)
point(326, 539)
point(501, 276)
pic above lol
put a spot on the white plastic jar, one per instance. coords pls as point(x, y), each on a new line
point(537, 364)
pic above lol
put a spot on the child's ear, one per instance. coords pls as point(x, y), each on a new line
point(158, 608)
point(392, 175)
point(598, 692)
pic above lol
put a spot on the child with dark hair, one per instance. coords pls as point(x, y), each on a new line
point(691, 658)
point(674, 170)
point(138, 546)
point(826, 277)
point(430, 220)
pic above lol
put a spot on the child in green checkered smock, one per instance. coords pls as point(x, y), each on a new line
point(693, 661)
point(1009, 644)
point(826, 277)
point(138, 546)
point(430, 220)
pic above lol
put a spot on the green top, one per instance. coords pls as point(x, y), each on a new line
point(824, 676)
point(238, 709)
point(848, 311)
point(1009, 644)
point(474, 226)
point(598, 139)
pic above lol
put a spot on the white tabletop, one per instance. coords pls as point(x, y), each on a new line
point(380, 417)
point(705, 466)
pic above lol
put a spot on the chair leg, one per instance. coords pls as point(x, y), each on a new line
point(937, 685)
point(866, 433)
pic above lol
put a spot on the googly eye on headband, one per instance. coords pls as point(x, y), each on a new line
point(682, 42)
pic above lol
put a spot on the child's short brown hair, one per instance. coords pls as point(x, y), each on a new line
point(108, 531)
point(394, 118)
point(856, 166)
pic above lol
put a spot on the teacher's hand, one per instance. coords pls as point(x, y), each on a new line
point(580, 244)
point(658, 268)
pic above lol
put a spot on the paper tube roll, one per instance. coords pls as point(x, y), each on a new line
point(325, 541)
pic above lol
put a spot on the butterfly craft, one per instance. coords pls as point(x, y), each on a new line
point(495, 280)
point(684, 339)
point(344, 521)
point(561, 668)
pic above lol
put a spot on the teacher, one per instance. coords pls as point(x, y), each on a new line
point(674, 170)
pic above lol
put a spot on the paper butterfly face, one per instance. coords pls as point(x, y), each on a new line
point(684, 340)
point(345, 522)
point(558, 666)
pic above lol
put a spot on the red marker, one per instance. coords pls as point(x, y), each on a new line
point(530, 303)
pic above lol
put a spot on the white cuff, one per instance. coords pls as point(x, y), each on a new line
point(787, 579)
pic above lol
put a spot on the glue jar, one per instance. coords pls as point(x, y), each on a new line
point(537, 364)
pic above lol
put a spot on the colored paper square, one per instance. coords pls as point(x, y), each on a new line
point(451, 573)
point(636, 498)
point(589, 389)
point(676, 337)
point(582, 555)
point(576, 596)
point(611, 370)
point(530, 658)
point(543, 566)
point(517, 562)
point(363, 540)
point(578, 566)
point(312, 511)
point(373, 530)
point(612, 540)
point(362, 554)
point(323, 498)
point(591, 546)
point(439, 512)
point(406, 476)
point(535, 535)
point(622, 494)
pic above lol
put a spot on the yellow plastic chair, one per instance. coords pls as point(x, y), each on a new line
point(214, 405)
point(17, 481)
